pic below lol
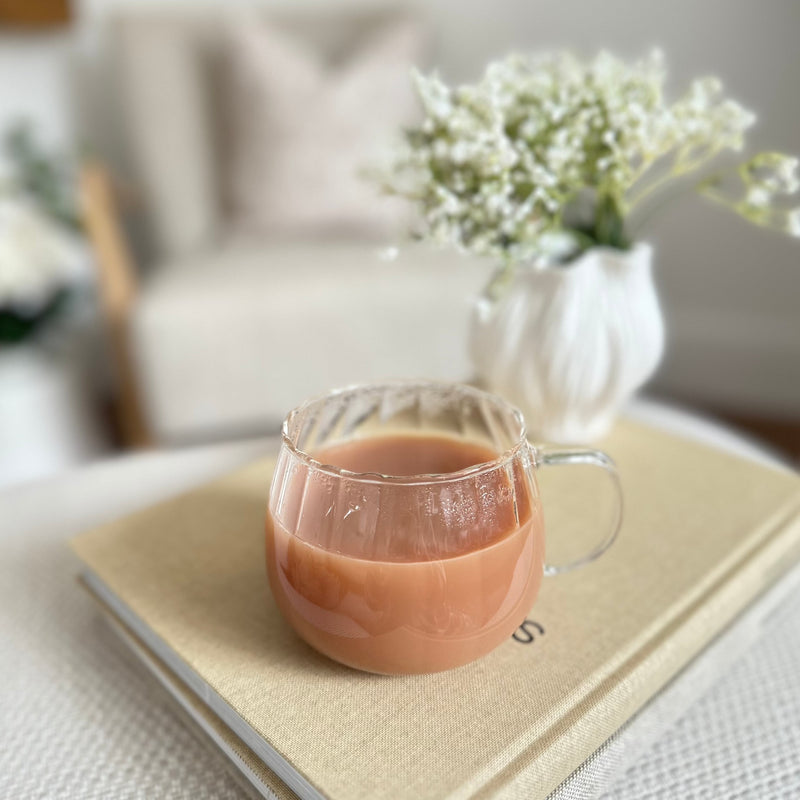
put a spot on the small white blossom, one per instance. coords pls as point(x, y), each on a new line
point(774, 171)
point(787, 174)
point(37, 257)
point(758, 197)
point(793, 222)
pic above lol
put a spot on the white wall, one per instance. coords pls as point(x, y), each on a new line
point(731, 292)
point(34, 84)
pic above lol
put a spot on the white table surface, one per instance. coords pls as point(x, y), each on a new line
point(79, 719)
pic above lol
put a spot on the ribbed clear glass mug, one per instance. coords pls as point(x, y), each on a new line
point(406, 531)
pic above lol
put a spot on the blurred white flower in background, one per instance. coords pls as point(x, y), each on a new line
point(38, 257)
point(45, 262)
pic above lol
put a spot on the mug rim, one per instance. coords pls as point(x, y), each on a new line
point(507, 455)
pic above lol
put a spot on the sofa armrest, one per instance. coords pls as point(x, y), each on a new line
point(118, 287)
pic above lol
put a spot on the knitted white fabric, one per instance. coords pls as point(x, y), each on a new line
point(732, 717)
point(742, 740)
point(78, 718)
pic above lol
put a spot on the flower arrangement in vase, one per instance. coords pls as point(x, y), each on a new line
point(42, 254)
point(551, 166)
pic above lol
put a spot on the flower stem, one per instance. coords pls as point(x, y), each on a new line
point(609, 224)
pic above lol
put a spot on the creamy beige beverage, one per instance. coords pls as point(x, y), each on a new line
point(401, 576)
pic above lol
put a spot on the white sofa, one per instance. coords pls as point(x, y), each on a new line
point(225, 334)
point(229, 340)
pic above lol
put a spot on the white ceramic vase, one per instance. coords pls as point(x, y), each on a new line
point(570, 344)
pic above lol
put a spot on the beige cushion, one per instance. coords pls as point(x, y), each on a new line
point(168, 126)
point(301, 129)
point(226, 343)
point(167, 78)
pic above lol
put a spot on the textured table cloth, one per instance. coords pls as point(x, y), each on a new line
point(79, 719)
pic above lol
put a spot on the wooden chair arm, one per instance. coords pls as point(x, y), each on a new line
point(118, 287)
point(115, 270)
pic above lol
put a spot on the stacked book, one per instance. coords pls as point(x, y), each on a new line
point(184, 583)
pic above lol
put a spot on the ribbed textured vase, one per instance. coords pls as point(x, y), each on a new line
point(570, 344)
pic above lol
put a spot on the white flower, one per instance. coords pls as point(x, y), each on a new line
point(793, 222)
point(777, 172)
point(758, 197)
point(787, 174)
point(774, 173)
point(37, 257)
point(495, 167)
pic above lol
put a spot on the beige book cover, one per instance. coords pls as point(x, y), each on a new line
point(703, 534)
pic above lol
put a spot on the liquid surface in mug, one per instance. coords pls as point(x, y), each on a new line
point(405, 577)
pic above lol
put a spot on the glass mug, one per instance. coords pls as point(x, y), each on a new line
point(405, 532)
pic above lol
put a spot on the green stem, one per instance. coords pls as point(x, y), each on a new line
point(770, 220)
point(679, 169)
point(609, 225)
point(662, 202)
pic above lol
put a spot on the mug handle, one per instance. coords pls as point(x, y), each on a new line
point(564, 456)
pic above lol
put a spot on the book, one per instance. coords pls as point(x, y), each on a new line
point(752, 629)
point(704, 533)
point(254, 776)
